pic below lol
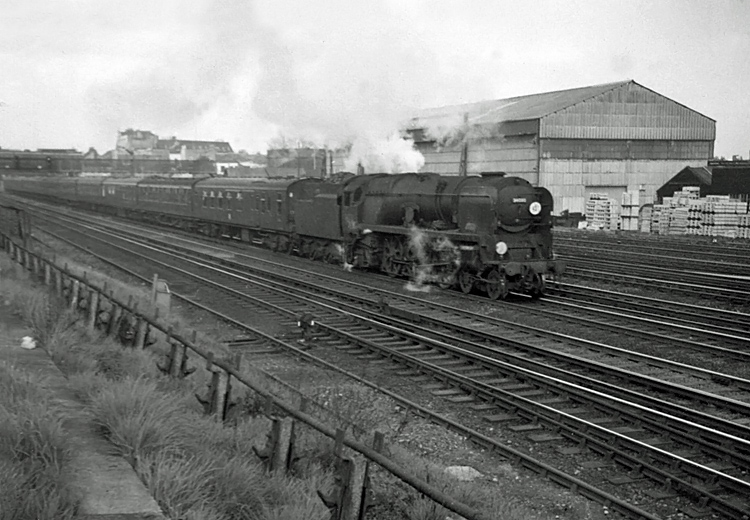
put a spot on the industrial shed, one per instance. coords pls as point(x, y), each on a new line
point(718, 178)
point(607, 139)
point(730, 178)
point(699, 177)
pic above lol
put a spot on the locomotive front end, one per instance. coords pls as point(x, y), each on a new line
point(517, 255)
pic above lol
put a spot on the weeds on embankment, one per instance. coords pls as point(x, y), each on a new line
point(199, 469)
point(34, 452)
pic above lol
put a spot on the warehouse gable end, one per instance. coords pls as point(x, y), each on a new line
point(628, 111)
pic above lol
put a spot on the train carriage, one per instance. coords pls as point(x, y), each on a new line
point(59, 188)
point(166, 196)
point(252, 210)
point(121, 194)
point(89, 192)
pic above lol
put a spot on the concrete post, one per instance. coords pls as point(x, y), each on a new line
point(221, 384)
point(114, 319)
point(141, 331)
point(58, 283)
point(35, 261)
point(93, 309)
point(47, 273)
point(177, 356)
point(161, 296)
point(74, 295)
point(283, 435)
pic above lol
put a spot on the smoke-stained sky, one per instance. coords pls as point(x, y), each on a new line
point(74, 72)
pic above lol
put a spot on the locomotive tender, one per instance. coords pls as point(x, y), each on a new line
point(490, 233)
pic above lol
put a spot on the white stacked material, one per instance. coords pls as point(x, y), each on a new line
point(743, 228)
point(602, 212)
point(713, 215)
point(629, 211)
point(678, 220)
point(660, 219)
point(645, 219)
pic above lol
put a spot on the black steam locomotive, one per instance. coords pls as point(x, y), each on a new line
point(491, 233)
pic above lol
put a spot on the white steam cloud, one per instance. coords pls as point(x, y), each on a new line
point(338, 74)
point(389, 154)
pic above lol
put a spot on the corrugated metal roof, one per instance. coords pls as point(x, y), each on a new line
point(703, 174)
point(534, 106)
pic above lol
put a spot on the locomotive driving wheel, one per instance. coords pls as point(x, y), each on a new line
point(391, 253)
point(465, 281)
point(497, 286)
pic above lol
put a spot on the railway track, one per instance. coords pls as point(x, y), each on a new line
point(702, 270)
point(700, 285)
point(525, 387)
point(728, 249)
point(708, 318)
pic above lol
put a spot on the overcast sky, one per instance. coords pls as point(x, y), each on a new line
point(74, 72)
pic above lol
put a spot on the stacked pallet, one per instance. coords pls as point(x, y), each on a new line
point(714, 215)
point(660, 219)
point(743, 228)
point(601, 212)
point(721, 216)
point(678, 221)
point(645, 217)
point(629, 212)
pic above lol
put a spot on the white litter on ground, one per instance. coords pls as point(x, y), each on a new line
point(28, 343)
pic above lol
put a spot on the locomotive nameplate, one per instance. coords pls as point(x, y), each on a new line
point(519, 200)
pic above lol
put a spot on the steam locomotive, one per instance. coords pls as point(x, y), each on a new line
point(490, 233)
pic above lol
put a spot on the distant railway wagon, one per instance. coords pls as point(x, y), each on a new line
point(489, 233)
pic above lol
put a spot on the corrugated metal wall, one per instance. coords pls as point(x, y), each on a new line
point(628, 112)
point(625, 149)
point(515, 155)
point(570, 180)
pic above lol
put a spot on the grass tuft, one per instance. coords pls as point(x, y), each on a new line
point(139, 419)
point(34, 452)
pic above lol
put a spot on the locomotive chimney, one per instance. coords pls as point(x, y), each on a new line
point(462, 167)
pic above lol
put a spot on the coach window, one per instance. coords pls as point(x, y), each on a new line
point(279, 203)
point(262, 205)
